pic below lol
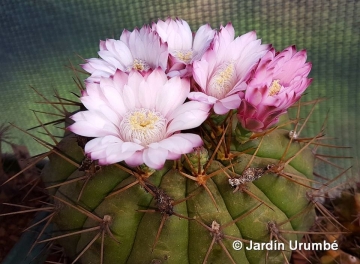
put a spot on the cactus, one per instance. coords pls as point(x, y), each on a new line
point(184, 156)
point(181, 213)
point(170, 197)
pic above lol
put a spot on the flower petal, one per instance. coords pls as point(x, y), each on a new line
point(92, 124)
point(110, 149)
point(277, 82)
point(228, 103)
point(155, 156)
point(202, 97)
point(135, 160)
point(172, 95)
point(181, 143)
point(189, 115)
point(203, 37)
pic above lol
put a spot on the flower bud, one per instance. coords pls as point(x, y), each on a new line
point(200, 154)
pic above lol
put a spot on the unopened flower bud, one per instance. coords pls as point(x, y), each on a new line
point(200, 154)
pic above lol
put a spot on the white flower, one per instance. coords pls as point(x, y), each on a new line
point(224, 69)
point(184, 49)
point(138, 119)
point(139, 50)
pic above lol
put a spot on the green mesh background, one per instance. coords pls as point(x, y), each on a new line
point(39, 37)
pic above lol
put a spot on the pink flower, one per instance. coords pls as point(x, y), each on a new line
point(183, 47)
point(139, 50)
point(224, 70)
point(277, 83)
point(138, 119)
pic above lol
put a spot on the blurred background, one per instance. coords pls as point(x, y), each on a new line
point(38, 38)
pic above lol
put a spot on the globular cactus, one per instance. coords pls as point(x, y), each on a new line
point(179, 153)
point(180, 214)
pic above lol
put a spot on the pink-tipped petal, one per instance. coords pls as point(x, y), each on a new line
point(155, 156)
point(181, 143)
point(172, 95)
point(202, 97)
point(277, 83)
point(110, 149)
point(225, 69)
point(137, 118)
point(136, 159)
point(202, 40)
point(189, 115)
point(140, 50)
point(183, 48)
point(92, 124)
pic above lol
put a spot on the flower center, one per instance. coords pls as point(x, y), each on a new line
point(184, 55)
point(222, 81)
point(275, 88)
point(143, 126)
point(139, 65)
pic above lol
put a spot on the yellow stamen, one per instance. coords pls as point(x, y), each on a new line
point(223, 80)
point(184, 55)
point(143, 121)
point(143, 125)
point(140, 65)
point(275, 88)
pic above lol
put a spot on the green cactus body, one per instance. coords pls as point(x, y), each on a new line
point(202, 226)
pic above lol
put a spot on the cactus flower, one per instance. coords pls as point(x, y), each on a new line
point(225, 68)
point(139, 50)
point(278, 82)
point(183, 47)
point(137, 119)
point(227, 186)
